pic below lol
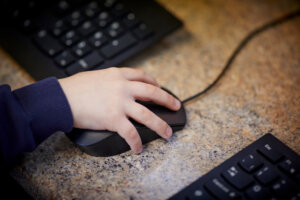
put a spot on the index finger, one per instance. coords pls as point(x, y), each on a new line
point(147, 92)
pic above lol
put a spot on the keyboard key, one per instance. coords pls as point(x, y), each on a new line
point(257, 192)
point(296, 196)
point(130, 20)
point(70, 38)
point(269, 152)
point(15, 14)
point(119, 10)
point(47, 43)
point(81, 48)
point(266, 175)
point(271, 184)
point(250, 163)
point(91, 9)
point(118, 45)
point(237, 177)
point(103, 19)
point(88, 62)
point(91, 60)
point(30, 8)
point(297, 177)
point(86, 28)
point(28, 25)
point(289, 167)
point(142, 31)
point(75, 18)
point(64, 58)
point(284, 189)
point(221, 190)
point(200, 194)
point(98, 39)
point(114, 29)
point(59, 28)
point(61, 7)
point(109, 3)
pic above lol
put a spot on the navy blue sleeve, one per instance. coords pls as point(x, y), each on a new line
point(29, 115)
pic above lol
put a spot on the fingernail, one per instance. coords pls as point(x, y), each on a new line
point(139, 150)
point(169, 132)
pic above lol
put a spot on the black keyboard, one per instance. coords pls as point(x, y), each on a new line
point(266, 169)
point(60, 37)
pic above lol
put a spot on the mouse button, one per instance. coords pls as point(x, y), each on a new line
point(165, 114)
point(173, 118)
point(88, 137)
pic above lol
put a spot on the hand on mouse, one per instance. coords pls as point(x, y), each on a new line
point(105, 99)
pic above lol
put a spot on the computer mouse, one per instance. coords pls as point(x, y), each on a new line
point(106, 143)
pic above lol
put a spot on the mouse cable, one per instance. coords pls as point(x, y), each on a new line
point(241, 45)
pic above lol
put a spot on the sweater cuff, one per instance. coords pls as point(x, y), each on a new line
point(47, 107)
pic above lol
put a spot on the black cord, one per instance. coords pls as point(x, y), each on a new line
point(243, 43)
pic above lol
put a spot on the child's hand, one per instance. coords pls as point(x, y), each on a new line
point(105, 99)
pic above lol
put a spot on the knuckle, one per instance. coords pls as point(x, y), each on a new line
point(113, 68)
point(120, 87)
point(115, 71)
point(114, 114)
point(152, 90)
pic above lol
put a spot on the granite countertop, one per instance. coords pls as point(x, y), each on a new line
point(260, 93)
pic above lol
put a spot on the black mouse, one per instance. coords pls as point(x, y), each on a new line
point(107, 143)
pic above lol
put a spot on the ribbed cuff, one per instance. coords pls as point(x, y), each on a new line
point(47, 106)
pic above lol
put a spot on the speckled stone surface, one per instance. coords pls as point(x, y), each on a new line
point(259, 94)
